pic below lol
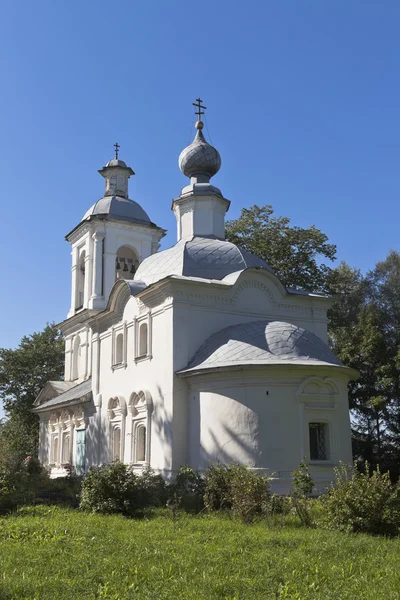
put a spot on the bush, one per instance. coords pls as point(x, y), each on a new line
point(114, 488)
point(218, 487)
point(361, 502)
point(187, 491)
point(238, 488)
point(303, 487)
point(250, 494)
point(21, 482)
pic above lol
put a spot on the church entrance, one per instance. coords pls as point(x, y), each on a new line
point(80, 451)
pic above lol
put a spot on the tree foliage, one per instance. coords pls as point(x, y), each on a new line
point(365, 334)
point(23, 373)
point(294, 253)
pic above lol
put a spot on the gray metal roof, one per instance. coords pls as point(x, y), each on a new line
point(206, 258)
point(74, 393)
point(261, 343)
point(121, 209)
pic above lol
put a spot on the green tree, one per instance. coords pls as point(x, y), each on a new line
point(365, 334)
point(294, 253)
point(23, 373)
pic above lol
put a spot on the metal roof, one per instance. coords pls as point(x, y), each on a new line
point(74, 393)
point(261, 343)
point(116, 207)
point(206, 258)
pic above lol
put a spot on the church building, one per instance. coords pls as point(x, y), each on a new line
point(192, 354)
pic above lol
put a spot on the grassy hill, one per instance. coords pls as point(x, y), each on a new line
point(51, 553)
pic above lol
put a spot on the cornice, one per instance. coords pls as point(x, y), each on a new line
point(80, 318)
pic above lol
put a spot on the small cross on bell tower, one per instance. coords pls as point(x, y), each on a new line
point(117, 147)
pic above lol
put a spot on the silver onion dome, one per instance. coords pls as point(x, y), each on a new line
point(199, 158)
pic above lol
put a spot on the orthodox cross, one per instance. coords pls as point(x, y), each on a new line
point(117, 147)
point(198, 105)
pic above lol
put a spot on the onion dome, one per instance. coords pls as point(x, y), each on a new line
point(199, 159)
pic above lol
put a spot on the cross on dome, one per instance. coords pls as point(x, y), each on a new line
point(198, 105)
point(117, 147)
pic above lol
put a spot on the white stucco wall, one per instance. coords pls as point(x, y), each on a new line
point(259, 418)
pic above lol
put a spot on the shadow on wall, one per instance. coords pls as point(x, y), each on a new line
point(97, 448)
point(162, 426)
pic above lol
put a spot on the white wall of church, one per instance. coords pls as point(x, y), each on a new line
point(262, 420)
point(150, 373)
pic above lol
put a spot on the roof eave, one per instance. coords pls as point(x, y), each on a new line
point(350, 372)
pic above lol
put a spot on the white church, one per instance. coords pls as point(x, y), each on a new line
point(194, 354)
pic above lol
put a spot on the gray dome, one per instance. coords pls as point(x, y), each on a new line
point(118, 208)
point(115, 162)
point(207, 258)
point(199, 158)
point(262, 343)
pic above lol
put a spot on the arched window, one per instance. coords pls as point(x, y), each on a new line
point(143, 339)
point(54, 450)
point(80, 282)
point(54, 433)
point(140, 406)
point(65, 439)
point(76, 354)
point(119, 349)
point(141, 443)
point(116, 414)
point(126, 263)
point(319, 441)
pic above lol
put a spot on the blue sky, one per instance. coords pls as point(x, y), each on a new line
point(303, 104)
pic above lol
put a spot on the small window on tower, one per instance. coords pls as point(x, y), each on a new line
point(80, 282)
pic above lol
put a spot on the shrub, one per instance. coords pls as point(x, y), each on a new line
point(238, 488)
point(250, 494)
point(109, 489)
point(361, 502)
point(187, 491)
point(218, 486)
point(303, 487)
point(20, 482)
point(114, 488)
point(280, 505)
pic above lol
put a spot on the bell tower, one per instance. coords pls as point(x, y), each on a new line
point(110, 241)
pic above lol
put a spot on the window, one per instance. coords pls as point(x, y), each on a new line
point(143, 343)
point(141, 443)
point(318, 433)
point(76, 353)
point(116, 443)
point(80, 282)
point(119, 348)
point(66, 449)
point(140, 406)
point(118, 355)
point(116, 414)
point(54, 450)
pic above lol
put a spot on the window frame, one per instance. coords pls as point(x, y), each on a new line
point(141, 408)
point(116, 332)
point(138, 324)
point(327, 442)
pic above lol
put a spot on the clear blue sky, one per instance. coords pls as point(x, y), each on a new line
point(303, 102)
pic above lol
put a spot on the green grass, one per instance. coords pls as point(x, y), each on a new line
point(51, 553)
